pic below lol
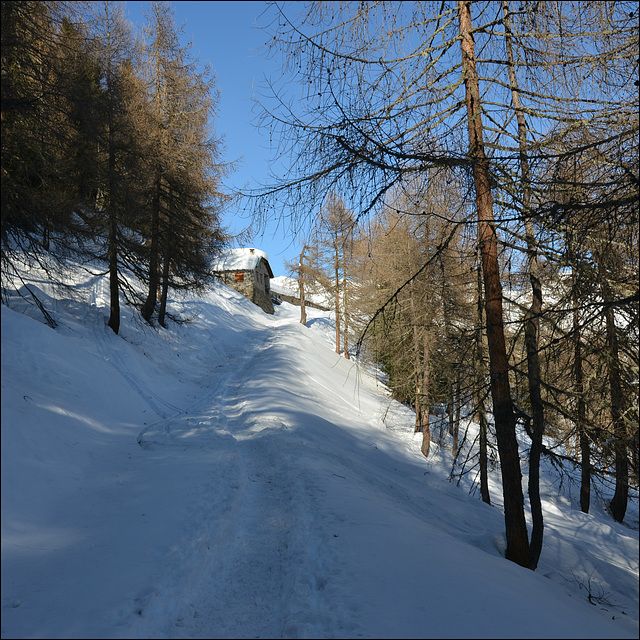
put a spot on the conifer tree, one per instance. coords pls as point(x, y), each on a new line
point(390, 90)
point(37, 135)
point(114, 52)
point(184, 181)
point(334, 239)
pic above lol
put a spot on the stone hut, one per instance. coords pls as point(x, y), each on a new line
point(248, 272)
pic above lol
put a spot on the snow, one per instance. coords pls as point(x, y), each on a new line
point(289, 286)
point(233, 477)
point(283, 284)
point(238, 259)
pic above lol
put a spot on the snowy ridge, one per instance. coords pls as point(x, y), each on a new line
point(233, 477)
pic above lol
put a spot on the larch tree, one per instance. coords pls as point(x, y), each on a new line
point(42, 50)
point(114, 51)
point(479, 370)
point(334, 239)
point(576, 110)
point(162, 54)
point(532, 316)
point(388, 91)
point(307, 272)
point(379, 94)
point(104, 158)
point(185, 197)
point(302, 277)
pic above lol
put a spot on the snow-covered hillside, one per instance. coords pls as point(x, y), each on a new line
point(289, 286)
point(233, 477)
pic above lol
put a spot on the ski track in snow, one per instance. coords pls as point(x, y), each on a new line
point(257, 542)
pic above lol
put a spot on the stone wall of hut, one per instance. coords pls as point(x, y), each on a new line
point(252, 284)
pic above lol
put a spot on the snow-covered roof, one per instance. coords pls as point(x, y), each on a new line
point(239, 260)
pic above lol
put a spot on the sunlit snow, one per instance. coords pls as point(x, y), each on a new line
point(233, 477)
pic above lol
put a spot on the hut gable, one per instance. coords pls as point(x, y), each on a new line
point(248, 272)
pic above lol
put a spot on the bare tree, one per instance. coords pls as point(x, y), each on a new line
point(334, 236)
point(301, 286)
point(389, 91)
point(532, 318)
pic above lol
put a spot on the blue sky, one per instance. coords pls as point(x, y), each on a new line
point(228, 36)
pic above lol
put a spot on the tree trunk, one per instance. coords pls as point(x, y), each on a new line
point(532, 317)
point(166, 265)
point(162, 311)
point(345, 309)
point(150, 303)
point(418, 404)
point(426, 427)
point(585, 449)
point(452, 411)
point(336, 269)
point(114, 289)
point(426, 441)
point(458, 404)
point(515, 523)
point(621, 494)
point(484, 458)
point(417, 367)
point(303, 302)
point(480, 374)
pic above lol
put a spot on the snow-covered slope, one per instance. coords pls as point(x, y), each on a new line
point(289, 286)
point(233, 477)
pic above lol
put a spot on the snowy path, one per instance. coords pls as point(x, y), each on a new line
point(262, 554)
point(284, 548)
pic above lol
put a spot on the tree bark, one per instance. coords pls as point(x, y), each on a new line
point(456, 426)
point(150, 303)
point(578, 376)
point(426, 427)
point(417, 368)
point(336, 269)
point(114, 288)
point(515, 523)
point(162, 310)
point(303, 303)
point(480, 374)
point(585, 449)
point(621, 495)
point(532, 317)
point(345, 305)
